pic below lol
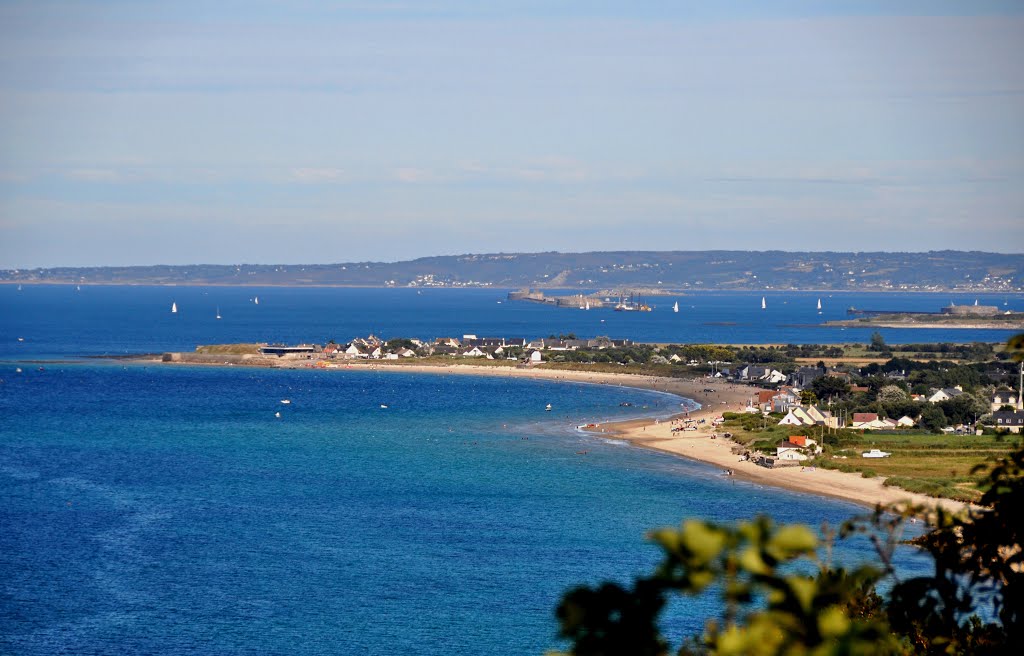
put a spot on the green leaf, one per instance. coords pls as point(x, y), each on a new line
point(793, 540)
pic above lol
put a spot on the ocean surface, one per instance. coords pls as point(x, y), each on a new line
point(166, 509)
point(63, 321)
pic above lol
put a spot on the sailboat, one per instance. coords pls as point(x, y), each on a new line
point(819, 306)
point(174, 308)
point(587, 306)
point(218, 312)
point(763, 305)
point(256, 300)
point(19, 289)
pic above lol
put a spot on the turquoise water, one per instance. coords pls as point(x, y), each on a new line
point(167, 510)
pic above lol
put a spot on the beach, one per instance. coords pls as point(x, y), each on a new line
point(698, 445)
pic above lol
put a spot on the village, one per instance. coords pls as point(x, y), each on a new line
point(899, 394)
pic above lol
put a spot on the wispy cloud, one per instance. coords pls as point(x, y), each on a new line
point(317, 175)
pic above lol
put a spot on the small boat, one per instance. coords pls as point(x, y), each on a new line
point(286, 401)
point(256, 300)
point(675, 307)
point(174, 308)
point(383, 406)
point(763, 305)
point(819, 306)
point(548, 407)
point(78, 288)
point(218, 312)
point(587, 306)
point(875, 453)
point(277, 414)
point(19, 288)
point(21, 339)
point(17, 370)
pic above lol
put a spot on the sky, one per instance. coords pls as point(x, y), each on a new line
point(264, 131)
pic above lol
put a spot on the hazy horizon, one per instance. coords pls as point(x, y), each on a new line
point(139, 132)
point(468, 254)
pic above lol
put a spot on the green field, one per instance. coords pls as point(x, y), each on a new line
point(937, 465)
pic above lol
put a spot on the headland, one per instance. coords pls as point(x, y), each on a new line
point(706, 444)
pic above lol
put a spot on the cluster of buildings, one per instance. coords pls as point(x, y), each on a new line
point(469, 346)
point(1005, 406)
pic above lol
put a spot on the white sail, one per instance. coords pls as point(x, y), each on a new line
point(763, 305)
point(819, 306)
point(675, 307)
point(218, 312)
point(256, 300)
point(587, 306)
point(174, 307)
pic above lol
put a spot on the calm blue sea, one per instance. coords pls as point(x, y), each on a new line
point(61, 321)
point(155, 509)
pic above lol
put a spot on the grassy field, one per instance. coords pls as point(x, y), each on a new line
point(937, 465)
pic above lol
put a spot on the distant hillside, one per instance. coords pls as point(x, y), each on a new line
point(676, 270)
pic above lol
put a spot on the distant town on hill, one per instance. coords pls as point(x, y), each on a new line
point(648, 270)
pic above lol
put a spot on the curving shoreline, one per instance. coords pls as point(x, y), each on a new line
point(655, 434)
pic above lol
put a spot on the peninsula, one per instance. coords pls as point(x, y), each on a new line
point(755, 421)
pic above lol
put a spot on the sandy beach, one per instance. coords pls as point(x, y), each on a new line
point(696, 445)
point(699, 445)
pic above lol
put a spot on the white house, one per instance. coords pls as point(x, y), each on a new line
point(354, 351)
point(809, 416)
point(871, 421)
point(796, 417)
point(535, 357)
point(474, 352)
point(1001, 398)
point(945, 394)
point(905, 422)
point(796, 448)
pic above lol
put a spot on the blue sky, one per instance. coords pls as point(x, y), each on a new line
point(136, 132)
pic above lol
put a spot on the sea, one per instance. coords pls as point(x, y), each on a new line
point(230, 510)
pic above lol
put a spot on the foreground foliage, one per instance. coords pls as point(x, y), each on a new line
point(971, 604)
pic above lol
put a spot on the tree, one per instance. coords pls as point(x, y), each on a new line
point(933, 418)
point(973, 602)
point(826, 387)
point(877, 342)
point(892, 394)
